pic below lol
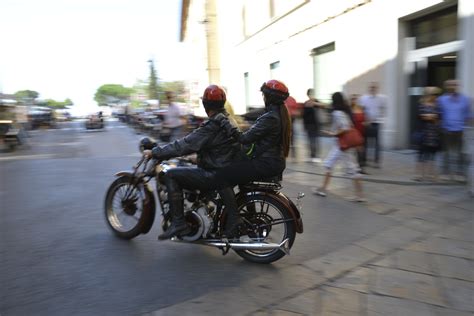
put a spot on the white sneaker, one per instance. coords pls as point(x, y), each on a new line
point(316, 160)
point(319, 192)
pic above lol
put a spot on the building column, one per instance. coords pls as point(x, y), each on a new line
point(466, 75)
point(466, 34)
point(213, 54)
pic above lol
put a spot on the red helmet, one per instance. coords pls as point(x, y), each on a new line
point(275, 89)
point(214, 93)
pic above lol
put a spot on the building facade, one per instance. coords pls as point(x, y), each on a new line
point(330, 46)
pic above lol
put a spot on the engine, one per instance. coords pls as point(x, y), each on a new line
point(201, 223)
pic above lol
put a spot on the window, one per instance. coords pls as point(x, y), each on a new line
point(325, 77)
point(275, 70)
point(437, 28)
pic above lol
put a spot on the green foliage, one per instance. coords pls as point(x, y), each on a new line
point(26, 95)
point(58, 104)
point(153, 89)
point(112, 93)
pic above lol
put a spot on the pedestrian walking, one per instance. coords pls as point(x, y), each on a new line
point(358, 117)
point(429, 129)
point(374, 105)
point(312, 124)
point(295, 112)
point(173, 118)
point(455, 113)
point(341, 122)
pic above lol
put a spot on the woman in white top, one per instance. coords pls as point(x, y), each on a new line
point(341, 122)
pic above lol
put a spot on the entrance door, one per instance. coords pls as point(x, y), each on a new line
point(431, 66)
point(440, 69)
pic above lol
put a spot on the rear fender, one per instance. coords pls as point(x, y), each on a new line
point(293, 210)
point(149, 206)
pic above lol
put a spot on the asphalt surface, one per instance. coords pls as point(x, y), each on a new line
point(59, 258)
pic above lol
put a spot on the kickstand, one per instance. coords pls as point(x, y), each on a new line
point(225, 249)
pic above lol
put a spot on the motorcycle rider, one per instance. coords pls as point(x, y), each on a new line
point(215, 149)
point(268, 140)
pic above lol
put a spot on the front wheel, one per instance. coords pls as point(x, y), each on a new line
point(124, 204)
point(266, 220)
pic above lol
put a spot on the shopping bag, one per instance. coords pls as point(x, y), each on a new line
point(350, 139)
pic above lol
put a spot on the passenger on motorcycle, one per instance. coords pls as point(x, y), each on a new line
point(267, 141)
point(215, 149)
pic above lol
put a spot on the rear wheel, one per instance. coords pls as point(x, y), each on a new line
point(124, 203)
point(266, 220)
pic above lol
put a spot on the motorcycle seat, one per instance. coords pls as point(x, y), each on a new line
point(272, 183)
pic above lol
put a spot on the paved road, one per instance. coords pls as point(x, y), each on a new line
point(58, 258)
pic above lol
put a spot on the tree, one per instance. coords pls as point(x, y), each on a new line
point(177, 87)
point(26, 96)
point(58, 104)
point(153, 89)
point(112, 93)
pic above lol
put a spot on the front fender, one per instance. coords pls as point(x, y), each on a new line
point(149, 205)
point(124, 174)
point(149, 209)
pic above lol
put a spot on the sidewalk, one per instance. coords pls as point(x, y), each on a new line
point(422, 265)
point(397, 167)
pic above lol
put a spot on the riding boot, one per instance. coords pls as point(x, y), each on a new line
point(233, 222)
point(178, 225)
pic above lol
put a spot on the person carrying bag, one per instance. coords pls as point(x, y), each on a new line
point(343, 149)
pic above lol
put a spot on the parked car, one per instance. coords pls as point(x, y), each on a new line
point(95, 121)
point(10, 134)
point(40, 116)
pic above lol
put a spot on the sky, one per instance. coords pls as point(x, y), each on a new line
point(69, 48)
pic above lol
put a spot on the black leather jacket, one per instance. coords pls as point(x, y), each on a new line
point(265, 135)
point(214, 148)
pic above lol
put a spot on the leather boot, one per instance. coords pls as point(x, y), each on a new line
point(178, 225)
point(233, 221)
point(233, 226)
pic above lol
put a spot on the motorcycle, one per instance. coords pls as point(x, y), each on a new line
point(271, 219)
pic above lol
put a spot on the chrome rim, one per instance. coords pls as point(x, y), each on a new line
point(126, 207)
point(265, 214)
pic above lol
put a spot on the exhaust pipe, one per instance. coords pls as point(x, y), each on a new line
point(283, 246)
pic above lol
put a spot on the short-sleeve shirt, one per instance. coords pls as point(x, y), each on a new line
point(173, 116)
point(340, 121)
point(454, 111)
point(374, 107)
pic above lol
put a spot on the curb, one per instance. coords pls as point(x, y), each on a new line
point(386, 181)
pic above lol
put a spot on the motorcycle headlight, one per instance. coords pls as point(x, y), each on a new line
point(146, 143)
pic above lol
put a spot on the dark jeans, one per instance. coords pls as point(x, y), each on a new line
point(249, 170)
point(191, 178)
point(372, 135)
point(292, 140)
point(452, 146)
point(313, 138)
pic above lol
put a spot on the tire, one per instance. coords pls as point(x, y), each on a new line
point(119, 211)
point(256, 210)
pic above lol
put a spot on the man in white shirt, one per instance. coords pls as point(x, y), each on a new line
point(173, 118)
point(374, 105)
